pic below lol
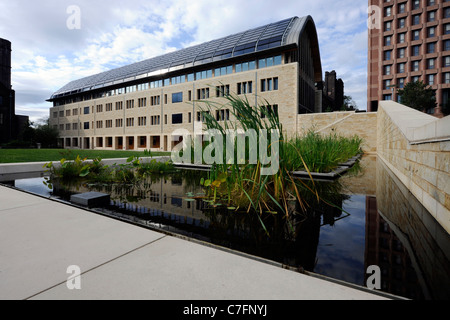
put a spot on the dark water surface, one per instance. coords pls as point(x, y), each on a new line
point(374, 221)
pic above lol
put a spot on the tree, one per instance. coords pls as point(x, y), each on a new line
point(418, 96)
point(349, 104)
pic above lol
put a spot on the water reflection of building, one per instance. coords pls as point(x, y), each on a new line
point(384, 249)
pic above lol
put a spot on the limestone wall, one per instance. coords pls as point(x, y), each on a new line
point(416, 147)
point(343, 123)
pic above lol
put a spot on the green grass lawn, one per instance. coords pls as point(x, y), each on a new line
point(41, 155)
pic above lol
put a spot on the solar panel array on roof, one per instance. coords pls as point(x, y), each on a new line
point(258, 39)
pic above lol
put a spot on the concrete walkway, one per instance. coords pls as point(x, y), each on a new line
point(41, 238)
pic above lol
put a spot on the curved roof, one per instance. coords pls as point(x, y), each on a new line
point(278, 34)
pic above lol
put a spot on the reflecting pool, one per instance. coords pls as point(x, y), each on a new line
point(369, 218)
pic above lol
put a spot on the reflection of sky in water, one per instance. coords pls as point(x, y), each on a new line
point(34, 185)
point(340, 253)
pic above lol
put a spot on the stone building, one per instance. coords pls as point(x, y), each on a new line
point(410, 43)
point(140, 106)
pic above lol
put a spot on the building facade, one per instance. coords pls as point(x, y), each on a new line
point(140, 106)
point(333, 90)
point(410, 43)
point(7, 95)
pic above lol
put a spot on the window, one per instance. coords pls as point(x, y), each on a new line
point(108, 107)
point(86, 110)
point(245, 87)
point(431, 2)
point(447, 12)
point(401, 23)
point(203, 75)
point(387, 70)
point(431, 16)
point(119, 123)
point(130, 104)
point(431, 63)
point(388, 26)
point(177, 118)
point(415, 51)
point(68, 113)
point(108, 123)
point(269, 111)
point(223, 115)
point(447, 77)
point(401, 68)
point(415, 78)
point(75, 112)
point(387, 97)
point(99, 124)
point(155, 120)
point(142, 121)
point(446, 45)
point(387, 11)
point(401, 83)
point(387, 55)
point(190, 77)
point(416, 35)
point(387, 40)
point(203, 93)
point(99, 108)
point(269, 62)
point(401, 53)
point(416, 4)
point(166, 82)
point(446, 61)
point(222, 91)
point(156, 84)
point(86, 126)
point(75, 126)
point(401, 38)
point(416, 19)
point(431, 32)
point(179, 79)
point(177, 97)
point(130, 122)
point(431, 47)
point(415, 66)
point(386, 84)
point(269, 84)
point(223, 71)
point(447, 28)
point(401, 8)
point(142, 102)
point(68, 126)
point(119, 105)
point(430, 79)
point(155, 100)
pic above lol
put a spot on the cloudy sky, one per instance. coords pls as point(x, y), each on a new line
point(47, 54)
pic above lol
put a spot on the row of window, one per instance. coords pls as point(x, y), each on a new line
point(415, 66)
point(205, 74)
point(269, 84)
point(402, 7)
point(177, 118)
point(431, 47)
point(430, 79)
point(415, 35)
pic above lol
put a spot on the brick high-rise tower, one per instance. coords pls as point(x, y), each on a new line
point(411, 42)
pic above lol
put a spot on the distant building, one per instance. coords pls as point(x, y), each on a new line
point(411, 44)
point(333, 92)
point(10, 123)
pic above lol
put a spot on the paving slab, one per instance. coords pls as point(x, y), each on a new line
point(40, 239)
